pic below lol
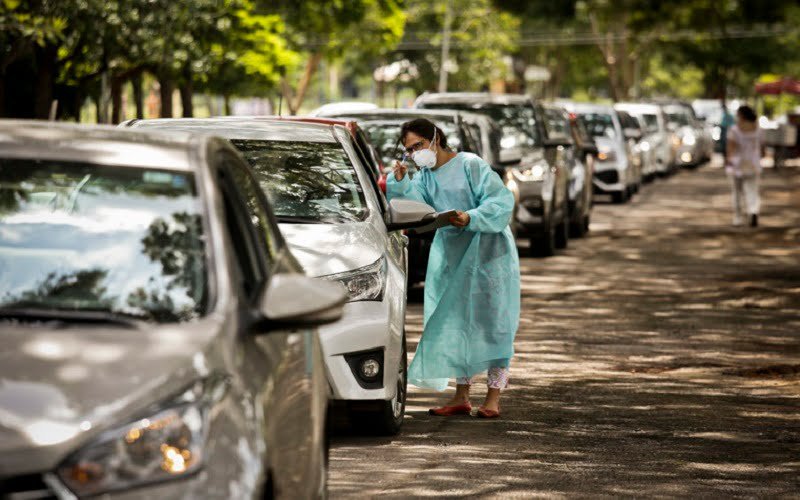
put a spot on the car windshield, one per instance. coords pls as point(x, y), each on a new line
point(678, 118)
point(385, 136)
point(306, 181)
point(650, 122)
point(599, 124)
point(518, 121)
point(86, 238)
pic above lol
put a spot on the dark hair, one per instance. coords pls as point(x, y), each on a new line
point(423, 128)
point(747, 113)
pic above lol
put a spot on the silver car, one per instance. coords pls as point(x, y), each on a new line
point(341, 228)
point(153, 342)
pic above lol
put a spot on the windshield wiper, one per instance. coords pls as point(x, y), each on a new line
point(72, 316)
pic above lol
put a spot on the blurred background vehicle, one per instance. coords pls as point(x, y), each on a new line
point(614, 173)
point(654, 126)
point(641, 156)
point(327, 203)
point(333, 108)
point(539, 183)
point(578, 153)
point(692, 140)
point(150, 268)
point(711, 111)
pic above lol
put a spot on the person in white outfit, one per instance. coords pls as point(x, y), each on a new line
point(743, 166)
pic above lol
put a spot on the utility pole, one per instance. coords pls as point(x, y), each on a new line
point(448, 21)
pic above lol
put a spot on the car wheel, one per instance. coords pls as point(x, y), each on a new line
point(392, 412)
point(586, 223)
point(562, 233)
point(577, 229)
point(619, 197)
point(544, 245)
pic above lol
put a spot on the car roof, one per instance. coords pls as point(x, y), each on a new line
point(97, 144)
point(584, 107)
point(637, 107)
point(381, 113)
point(248, 127)
point(472, 98)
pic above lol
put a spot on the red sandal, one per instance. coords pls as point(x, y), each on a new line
point(448, 411)
point(484, 413)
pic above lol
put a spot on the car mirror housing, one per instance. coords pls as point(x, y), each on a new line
point(295, 300)
point(409, 214)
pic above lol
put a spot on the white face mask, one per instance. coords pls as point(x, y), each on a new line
point(425, 158)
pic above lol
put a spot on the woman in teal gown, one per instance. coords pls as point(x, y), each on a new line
point(472, 286)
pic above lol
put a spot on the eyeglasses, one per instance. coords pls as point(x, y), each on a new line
point(416, 146)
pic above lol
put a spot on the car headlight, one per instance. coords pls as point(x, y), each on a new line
point(167, 443)
point(606, 154)
point(365, 283)
point(716, 133)
point(644, 146)
point(534, 173)
point(508, 141)
point(688, 140)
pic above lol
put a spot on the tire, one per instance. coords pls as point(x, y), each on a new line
point(586, 223)
point(619, 197)
point(544, 245)
point(577, 229)
point(562, 234)
point(389, 419)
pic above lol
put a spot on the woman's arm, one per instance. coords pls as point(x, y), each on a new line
point(495, 201)
point(730, 147)
point(410, 189)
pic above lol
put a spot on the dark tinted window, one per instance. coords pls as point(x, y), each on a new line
point(82, 237)
point(256, 211)
point(651, 122)
point(557, 127)
point(599, 124)
point(306, 181)
point(518, 121)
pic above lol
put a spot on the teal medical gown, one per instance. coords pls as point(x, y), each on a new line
point(472, 287)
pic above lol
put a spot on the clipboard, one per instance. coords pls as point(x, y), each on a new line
point(441, 219)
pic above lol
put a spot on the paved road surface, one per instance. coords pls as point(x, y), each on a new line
point(659, 356)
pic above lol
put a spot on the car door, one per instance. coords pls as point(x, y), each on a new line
point(277, 367)
point(557, 128)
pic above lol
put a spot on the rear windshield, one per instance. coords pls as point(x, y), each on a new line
point(83, 237)
point(599, 124)
point(306, 181)
point(385, 136)
point(518, 121)
point(650, 122)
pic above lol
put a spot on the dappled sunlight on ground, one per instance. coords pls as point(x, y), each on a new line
point(660, 356)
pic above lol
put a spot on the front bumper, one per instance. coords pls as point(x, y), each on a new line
point(532, 201)
point(368, 326)
point(608, 178)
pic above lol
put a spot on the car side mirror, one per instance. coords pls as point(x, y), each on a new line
point(409, 214)
point(296, 300)
point(510, 156)
point(590, 149)
point(632, 133)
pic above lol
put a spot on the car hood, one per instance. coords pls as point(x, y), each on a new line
point(608, 143)
point(325, 249)
point(61, 385)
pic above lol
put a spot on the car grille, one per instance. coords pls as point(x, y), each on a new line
point(607, 176)
point(30, 487)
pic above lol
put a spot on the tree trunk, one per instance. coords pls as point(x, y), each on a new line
point(138, 95)
point(116, 100)
point(302, 87)
point(187, 91)
point(45, 80)
point(166, 88)
point(286, 92)
point(227, 100)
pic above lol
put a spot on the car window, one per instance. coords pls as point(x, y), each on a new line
point(474, 142)
point(556, 123)
point(256, 211)
point(306, 182)
point(518, 121)
point(362, 146)
point(599, 124)
point(83, 237)
point(651, 122)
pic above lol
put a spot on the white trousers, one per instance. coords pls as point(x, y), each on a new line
point(746, 200)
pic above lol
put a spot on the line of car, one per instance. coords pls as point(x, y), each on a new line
point(186, 302)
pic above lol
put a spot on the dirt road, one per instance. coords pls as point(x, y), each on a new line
point(659, 356)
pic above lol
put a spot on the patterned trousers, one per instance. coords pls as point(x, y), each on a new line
point(497, 378)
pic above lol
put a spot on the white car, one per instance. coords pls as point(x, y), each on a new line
point(337, 223)
point(614, 172)
point(656, 134)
